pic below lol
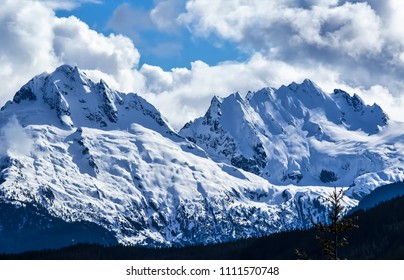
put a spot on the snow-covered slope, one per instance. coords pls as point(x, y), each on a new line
point(86, 153)
point(66, 98)
point(300, 135)
point(82, 152)
point(380, 195)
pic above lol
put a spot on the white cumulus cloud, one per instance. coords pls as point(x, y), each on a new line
point(66, 4)
point(347, 34)
point(15, 140)
point(354, 45)
point(35, 40)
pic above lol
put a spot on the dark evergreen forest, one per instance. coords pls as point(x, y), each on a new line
point(380, 236)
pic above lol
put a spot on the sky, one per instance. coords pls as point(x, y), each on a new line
point(179, 53)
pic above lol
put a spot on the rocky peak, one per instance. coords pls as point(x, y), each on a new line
point(276, 133)
point(25, 93)
point(214, 112)
point(354, 101)
point(74, 100)
point(356, 115)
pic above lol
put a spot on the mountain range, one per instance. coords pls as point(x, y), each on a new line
point(76, 152)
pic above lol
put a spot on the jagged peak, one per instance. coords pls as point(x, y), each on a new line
point(350, 98)
point(30, 90)
point(234, 98)
point(66, 68)
point(216, 100)
point(261, 94)
point(236, 95)
point(25, 93)
point(307, 86)
point(73, 99)
point(355, 100)
point(338, 91)
point(69, 73)
point(373, 115)
point(250, 94)
point(292, 102)
point(214, 108)
point(309, 82)
point(103, 84)
point(357, 97)
point(375, 108)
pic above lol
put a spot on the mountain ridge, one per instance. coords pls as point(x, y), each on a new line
point(104, 157)
point(78, 101)
point(275, 132)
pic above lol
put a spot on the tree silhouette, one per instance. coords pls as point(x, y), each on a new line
point(331, 234)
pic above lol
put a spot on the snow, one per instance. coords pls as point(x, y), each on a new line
point(302, 132)
point(380, 195)
point(112, 159)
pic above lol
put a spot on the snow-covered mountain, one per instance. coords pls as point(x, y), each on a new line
point(81, 152)
point(300, 135)
point(379, 195)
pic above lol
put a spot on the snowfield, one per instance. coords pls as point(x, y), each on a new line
point(249, 167)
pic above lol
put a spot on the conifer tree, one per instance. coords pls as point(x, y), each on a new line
point(332, 234)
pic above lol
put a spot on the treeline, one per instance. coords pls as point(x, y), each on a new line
point(380, 236)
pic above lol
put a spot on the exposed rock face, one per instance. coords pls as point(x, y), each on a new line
point(296, 134)
point(110, 163)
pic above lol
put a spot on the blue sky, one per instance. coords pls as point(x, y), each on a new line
point(165, 48)
point(178, 54)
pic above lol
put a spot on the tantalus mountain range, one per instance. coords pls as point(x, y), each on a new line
point(81, 162)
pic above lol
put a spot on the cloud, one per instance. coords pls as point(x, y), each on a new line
point(76, 44)
point(131, 21)
point(391, 104)
point(354, 37)
point(350, 28)
point(356, 46)
point(34, 40)
point(189, 91)
point(15, 140)
point(134, 20)
point(154, 30)
point(165, 13)
point(66, 4)
point(27, 47)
